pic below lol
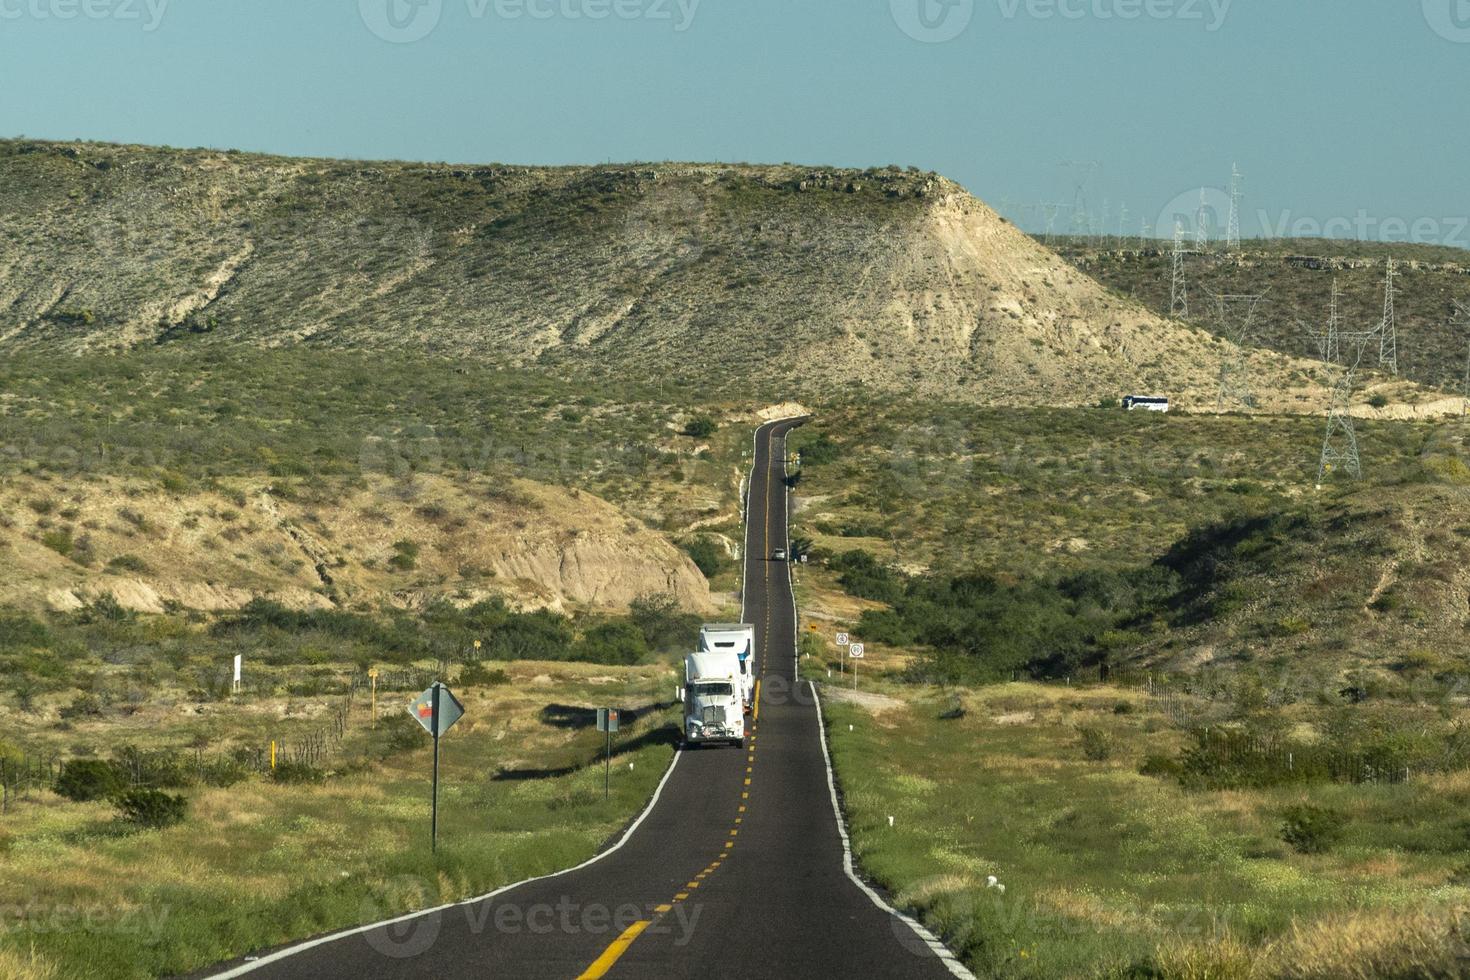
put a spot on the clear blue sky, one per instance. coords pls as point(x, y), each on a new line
point(1331, 107)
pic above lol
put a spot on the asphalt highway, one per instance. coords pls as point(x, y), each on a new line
point(739, 868)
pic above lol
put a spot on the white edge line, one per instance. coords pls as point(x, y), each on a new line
point(941, 951)
point(290, 951)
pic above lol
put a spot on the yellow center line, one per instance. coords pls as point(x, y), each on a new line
point(610, 956)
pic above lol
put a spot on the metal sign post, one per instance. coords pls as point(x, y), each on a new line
point(437, 709)
point(842, 639)
point(855, 651)
point(607, 722)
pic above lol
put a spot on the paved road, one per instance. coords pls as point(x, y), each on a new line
point(737, 870)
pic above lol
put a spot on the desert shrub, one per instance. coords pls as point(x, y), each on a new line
point(83, 780)
point(664, 625)
point(1097, 745)
point(864, 576)
point(104, 609)
point(707, 554)
point(59, 541)
point(152, 808)
point(20, 630)
point(84, 705)
point(296, 773)
point(816, 450)
point(700, 427)
point(405, 556)
point(128, 563)
point(1312, 829)
point(221, 773)
point(478, 675)
point(615, 642)
point(1378, 400)
point(163, 768)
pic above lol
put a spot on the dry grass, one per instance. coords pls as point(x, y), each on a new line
point(26, 965)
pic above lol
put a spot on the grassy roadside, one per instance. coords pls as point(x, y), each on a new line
point(258, 864)
point(1109, 873)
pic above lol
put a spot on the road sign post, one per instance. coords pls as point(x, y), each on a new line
point(842, 640)
point(437, 709)
point(607, 722)
point(373, 679)
point(855, 651)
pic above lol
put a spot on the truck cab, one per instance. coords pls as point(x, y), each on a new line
point(713, 703)
point(737, 638)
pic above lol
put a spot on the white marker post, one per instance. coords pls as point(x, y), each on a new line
point(842, 639)
point(855, 651)
point(236, 684)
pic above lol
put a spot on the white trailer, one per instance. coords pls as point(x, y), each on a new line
point(737, 638)
point(713, 705)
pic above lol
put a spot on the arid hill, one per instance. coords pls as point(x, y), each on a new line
point(790, 279)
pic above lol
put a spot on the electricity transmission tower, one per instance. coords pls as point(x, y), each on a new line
point(1049, 212)
point(1082, 176)
point(1142, 233)
point(1237, 315)
point(1179, 288)
point(1232, 233)
point(1201, 225)
point(1331, 340)
point(1388, 332)
point(1340, 445)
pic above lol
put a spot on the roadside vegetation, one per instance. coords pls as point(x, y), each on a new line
point(144, 882)
point(1118, 848)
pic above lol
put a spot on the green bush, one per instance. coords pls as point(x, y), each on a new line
point(296, 773)
point(615, 642)
point(700, 427)
point(128, 563)
point(707, 554)
point(152, 808)
point(864, 576)
point(478, 675)
point(405, 556)
point(1097, 745)
point(83, 780)
point(1312, 829)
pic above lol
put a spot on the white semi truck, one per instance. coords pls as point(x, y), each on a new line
point(713, 703)
point(737, 638)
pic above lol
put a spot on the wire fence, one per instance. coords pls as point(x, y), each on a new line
point(305, 748)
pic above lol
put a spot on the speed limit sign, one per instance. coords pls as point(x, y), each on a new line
point(842, 639)
point(855, 651)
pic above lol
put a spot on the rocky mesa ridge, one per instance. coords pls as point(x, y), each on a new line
point(796, 279)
